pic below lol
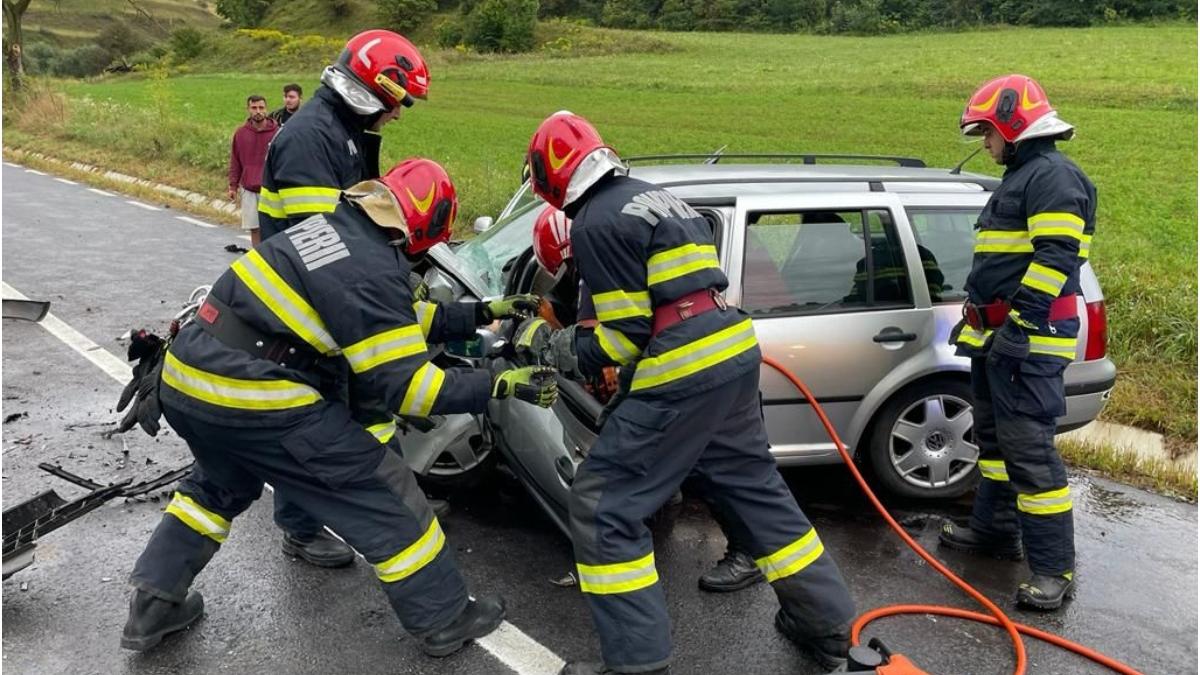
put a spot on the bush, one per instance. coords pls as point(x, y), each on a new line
point(450, 33)
point(243, 13)
point(119, 40)
point(502, 26)
point(677, 15)
point(187, 43)
point(405, 15)
point(84, 61)
point(860, 18)
point(626, 14)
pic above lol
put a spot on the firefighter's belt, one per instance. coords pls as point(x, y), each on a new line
point(692, 304)
point(219, 321)
point(993, 315)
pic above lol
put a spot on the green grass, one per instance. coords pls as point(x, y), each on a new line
point(1131, 90)
point(1174, 478)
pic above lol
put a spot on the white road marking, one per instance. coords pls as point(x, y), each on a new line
point(508, 644)
point(102, 358)
point(16, 166)
point(244, 237)
point(101, 192)
point(142, 206)
point(34, 171)
point(193, 221)
point(68, 182)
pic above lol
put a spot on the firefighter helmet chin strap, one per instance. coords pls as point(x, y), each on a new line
point(598, 164)
point(360, 99)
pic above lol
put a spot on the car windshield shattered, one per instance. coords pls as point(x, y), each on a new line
point(488, 253)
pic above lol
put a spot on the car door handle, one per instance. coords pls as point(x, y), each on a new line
point(893, 334)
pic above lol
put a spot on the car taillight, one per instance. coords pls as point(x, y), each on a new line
point(1097, 327)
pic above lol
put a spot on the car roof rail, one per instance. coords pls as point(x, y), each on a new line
point(806, 158)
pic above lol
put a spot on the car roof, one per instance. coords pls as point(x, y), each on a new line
point(673, 175)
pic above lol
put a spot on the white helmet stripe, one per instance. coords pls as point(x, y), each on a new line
point(362, 51)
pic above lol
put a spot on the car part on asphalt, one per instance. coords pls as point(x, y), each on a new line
point(25, 310)
point(34, 518)
point(999, 618)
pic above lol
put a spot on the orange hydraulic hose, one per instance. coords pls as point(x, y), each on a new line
point(998, 618)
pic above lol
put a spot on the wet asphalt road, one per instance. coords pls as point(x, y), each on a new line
point(108, 266)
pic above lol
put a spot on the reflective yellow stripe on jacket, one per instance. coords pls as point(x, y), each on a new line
point(1053, 346)
point(410, 561)
point(383, 431)
point(1055, 224)
point(423, 390)
point(676, 262)
point(425, 312)
point(381, 348)
point(792, 558)
point(695, 356)
point(231, 392)
point(621, 577)
point(205, 522)
point(972, 337)
point(616, 305)
point(284, 302)
point(270, 204)
point(614, 343)
point(1003, 241)
point(313, 199)
point(1045, 279)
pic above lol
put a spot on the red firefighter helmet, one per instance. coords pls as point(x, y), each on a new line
point(1017, 107)
point(566, 156)
point(388, 65)
point(427, 200)
point(552, 240)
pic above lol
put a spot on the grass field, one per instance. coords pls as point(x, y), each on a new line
point(1131, 90)
point(74, 22)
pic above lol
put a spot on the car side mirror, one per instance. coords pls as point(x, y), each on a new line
point(483, 224)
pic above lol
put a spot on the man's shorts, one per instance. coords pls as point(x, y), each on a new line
point(249, 209)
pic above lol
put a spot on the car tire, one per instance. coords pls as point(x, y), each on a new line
point(462, 467)
point(921, 446)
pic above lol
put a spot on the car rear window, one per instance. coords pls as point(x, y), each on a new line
point(946, 237)
point(818, 261)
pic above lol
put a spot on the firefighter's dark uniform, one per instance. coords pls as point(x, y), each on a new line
point(693, 407)
point(323, 149)
point(335, 291)
point(1033, 235)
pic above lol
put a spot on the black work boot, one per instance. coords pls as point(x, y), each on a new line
point(734, 572)
point(1046, 592)
point(323, 550)
point(963, 538)
point(151, 618)
point(594, 668)
point(480, 617)
point(827, 650)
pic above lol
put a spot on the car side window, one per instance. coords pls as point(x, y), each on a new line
point(946, 239)
point(714, 221)
point(823, 261)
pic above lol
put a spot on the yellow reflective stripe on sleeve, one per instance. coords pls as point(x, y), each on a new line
point(1056, 224)
point(618, 577)
point(1045, 503)
point(284, 302)
point(410, 561)
point(425, 312)
point(235, 393)
point(1003, 241)
point(972, 337)
point(615, 305)
point(676, 262)
point(1053, 346)
point(383, 431)
point(1085, 246)
point(385, 347)
point(313, 199)
point(614, 343)
point(198, 518)
point(792, 558)
point(525, 339)
point(993, 469)
point(695, 356)
point(270, 204)
point(1016, 317)
point(423, 390)
point(1044, 279)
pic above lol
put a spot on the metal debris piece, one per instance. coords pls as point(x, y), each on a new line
point(568, 581)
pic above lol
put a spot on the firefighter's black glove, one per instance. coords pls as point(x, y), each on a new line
point(511, 307)
point(532, 384)
point(149, 351)
point(561, 352)
point(1009, 343)
point(532, 340)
